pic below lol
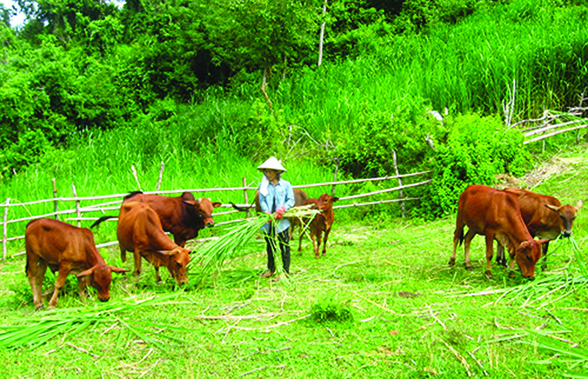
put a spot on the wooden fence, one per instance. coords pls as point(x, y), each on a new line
point(114, 205)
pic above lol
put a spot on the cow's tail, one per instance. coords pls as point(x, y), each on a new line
point(240, 209)
point(131, 194)
point(100, 220)
point(458, 235)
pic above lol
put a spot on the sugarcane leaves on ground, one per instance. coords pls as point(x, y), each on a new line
point(231, 244)
point(35, 331)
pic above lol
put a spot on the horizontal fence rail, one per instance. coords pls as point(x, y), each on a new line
point(114, 205)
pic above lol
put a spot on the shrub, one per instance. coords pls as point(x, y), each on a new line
point(476, 150)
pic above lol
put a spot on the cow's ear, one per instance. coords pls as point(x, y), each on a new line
point(525, 244)
point(86, 272)
point(579, 204)
point(190, 202)
point(216, 204)
point(553, 207)
point(117, 269)
point(333, 199)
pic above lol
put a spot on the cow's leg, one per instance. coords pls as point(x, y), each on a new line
point(467, 243)
point(314, 245)
point(327, 231)
point(319, 239)
point(36, 269)
point(157, 276)
point(82, 285)
point(59, 283)
point(300, 238)
point(123, 254)
point(500, 256)
point(137, 258)
point(489, 253)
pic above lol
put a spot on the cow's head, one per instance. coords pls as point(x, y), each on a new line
point(178, 264)
point(325, 202)
point(100, 277)
point(202, 208)
point(527, 255)
point(567, 214)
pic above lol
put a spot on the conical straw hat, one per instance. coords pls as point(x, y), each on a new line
point(272, 164)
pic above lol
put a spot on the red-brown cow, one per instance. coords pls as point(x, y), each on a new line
point(183, 216)
point(321, 223)
point(545, 218)
point(496, 215)
point(68, 249)
point(139, 230)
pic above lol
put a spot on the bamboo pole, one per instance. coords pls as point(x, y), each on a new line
point(136, 177)
point(384, 191)
point(245, 193)
point(73, 189)
point(400, 195)
point(322, 36)
point(160, 176)
point(554, 133)
point(4, 233)
point(335, 177)
point(55, 197)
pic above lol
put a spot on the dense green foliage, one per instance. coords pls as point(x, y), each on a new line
point(180, 82)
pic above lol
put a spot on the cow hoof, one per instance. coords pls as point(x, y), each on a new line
point(468, 267)
point(40, 308)
point(512, 275)
point(451, 262)
point(488, 274)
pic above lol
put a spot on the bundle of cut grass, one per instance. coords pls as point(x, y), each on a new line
point(539, 292)
point(230, 245)
point(36, 331)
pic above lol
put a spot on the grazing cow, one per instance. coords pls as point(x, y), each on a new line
point(139, 230)
point(496, 215)
point(544, 216)
point(183, 216)
point(68, 249)
point(322, 222)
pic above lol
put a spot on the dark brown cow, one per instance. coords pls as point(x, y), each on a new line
point(68, 249)
point(139, 230)
point(545, 218)
point(496, 215)
point(321, 223)
point(183, 216)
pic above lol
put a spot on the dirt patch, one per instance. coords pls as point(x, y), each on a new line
point(541, 173)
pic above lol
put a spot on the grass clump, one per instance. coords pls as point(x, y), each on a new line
point(331, 312)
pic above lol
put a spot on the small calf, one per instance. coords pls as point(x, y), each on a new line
point(68, 249)
point(322, 222)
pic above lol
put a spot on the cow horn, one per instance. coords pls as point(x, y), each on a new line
point(86, 272)
point(117, 269)
point(579, 204)
point(553, 207)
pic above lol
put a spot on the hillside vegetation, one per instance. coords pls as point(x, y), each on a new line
point(87, 90)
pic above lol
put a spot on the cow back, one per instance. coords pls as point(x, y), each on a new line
point(139, 227)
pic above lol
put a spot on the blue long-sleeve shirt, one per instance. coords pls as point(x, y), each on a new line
point(278, 195)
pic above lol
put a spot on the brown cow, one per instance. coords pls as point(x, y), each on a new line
point(183, 216)
point(322, 222)
point(544, 216)
point(67, 249)
point(139, 230)
point(496, 215)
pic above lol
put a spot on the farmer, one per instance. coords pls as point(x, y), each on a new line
point(275, 197)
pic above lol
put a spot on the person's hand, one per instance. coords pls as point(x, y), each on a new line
point(270, 214)
point(280, 212)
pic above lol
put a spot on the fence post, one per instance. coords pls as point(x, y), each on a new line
point(400, 195)
point(136, 177)
point(160, 176)
point(55, 196)
point(245, 194)
point(73, 189)
point(4, 234)
point(335, 176)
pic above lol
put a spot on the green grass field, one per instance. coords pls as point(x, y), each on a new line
point(382, 303)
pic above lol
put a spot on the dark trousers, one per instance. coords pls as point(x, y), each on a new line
point(283, 239)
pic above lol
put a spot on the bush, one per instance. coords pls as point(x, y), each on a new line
point(476, 150)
